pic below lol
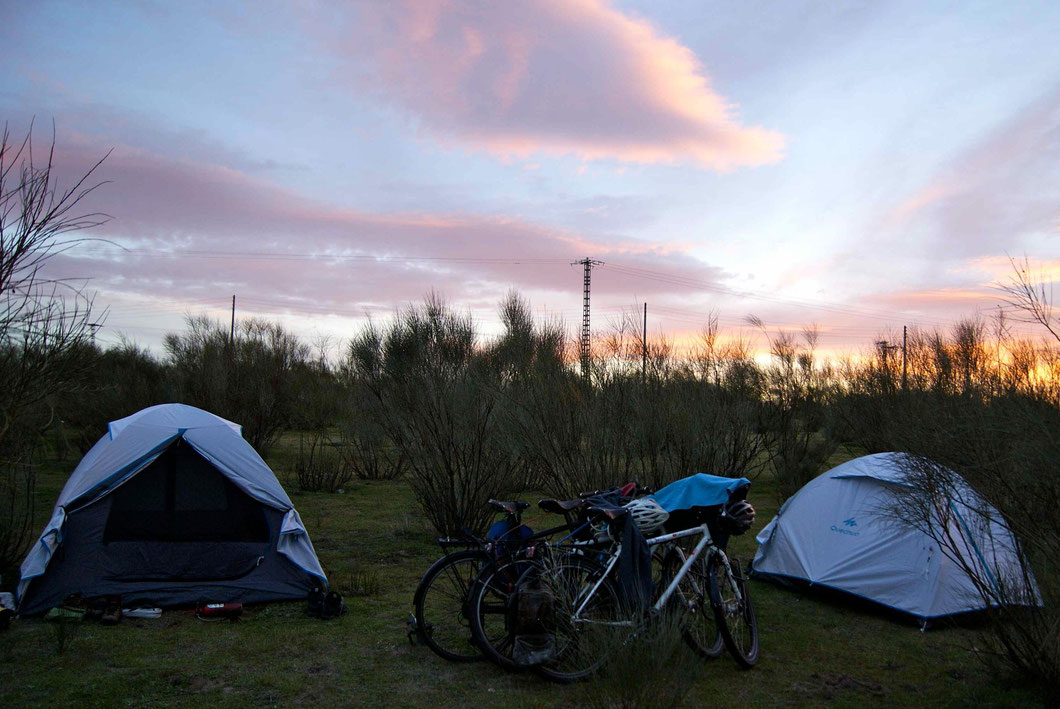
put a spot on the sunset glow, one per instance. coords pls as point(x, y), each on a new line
point(858, 167)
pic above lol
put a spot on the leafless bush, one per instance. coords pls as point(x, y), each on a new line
point(576, 438)
point(648, 415)
point(365, 444)
point(122, 380)
point(320, 468)
point(255, 378)
point(439, 403)
point(1014, 491)
point(798, 392)
point(45, 324)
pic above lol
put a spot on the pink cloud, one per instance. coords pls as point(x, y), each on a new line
point(560, 77)
point(197, 228)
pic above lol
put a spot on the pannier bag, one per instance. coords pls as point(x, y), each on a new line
point(531, 612)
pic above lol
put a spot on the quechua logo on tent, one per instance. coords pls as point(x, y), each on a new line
point(849, 523)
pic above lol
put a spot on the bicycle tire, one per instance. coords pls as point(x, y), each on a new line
point(582, 648)
point(441, 605)
point(488, 610)
point(736, 618)
point(691, 598)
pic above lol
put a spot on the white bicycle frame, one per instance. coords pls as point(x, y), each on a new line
point(703, 544)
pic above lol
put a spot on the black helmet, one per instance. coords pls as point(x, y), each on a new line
point(737, 517)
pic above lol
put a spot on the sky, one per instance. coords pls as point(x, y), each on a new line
point(854, 166)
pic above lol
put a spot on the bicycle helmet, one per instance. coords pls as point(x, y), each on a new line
point(649, 515)
point(738, 516)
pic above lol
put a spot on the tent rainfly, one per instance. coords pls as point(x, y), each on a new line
point(838, 532)
point(170, 507)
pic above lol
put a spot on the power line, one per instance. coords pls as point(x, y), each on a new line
point(643, 273)
point(724, 290)
point(315, 256)
point(670, 313)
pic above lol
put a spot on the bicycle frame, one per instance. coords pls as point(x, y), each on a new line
point(705, 543)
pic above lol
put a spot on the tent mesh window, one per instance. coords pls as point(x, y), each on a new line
point(181, 497)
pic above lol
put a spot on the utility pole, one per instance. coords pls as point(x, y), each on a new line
point(588, 264)
point(232, 328)
point(905, 366)
point(644, 346)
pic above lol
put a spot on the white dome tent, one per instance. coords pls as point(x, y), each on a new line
point(171, 506)
point(841, 531)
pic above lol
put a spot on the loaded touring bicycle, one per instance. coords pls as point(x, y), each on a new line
point(618, 565)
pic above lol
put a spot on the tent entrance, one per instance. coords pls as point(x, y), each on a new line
point(182, 497)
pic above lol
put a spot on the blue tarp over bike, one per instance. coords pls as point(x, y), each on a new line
point(699, 490)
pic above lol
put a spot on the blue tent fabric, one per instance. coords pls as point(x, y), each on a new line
point(286, 568)
point(699, 490)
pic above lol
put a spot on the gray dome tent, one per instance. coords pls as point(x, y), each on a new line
point(837, 532)
point(171, 506)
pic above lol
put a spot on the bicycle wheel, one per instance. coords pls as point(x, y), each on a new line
point(441, 605)
point(581, 644)
point(734, 612)
point(488, 605)
point(691, 599)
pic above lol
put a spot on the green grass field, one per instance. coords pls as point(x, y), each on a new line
point(374, 545)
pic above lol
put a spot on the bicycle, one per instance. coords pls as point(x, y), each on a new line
point(588, 612)
point(440, 616)
point(489, 602)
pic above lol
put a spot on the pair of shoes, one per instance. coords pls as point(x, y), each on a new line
point(333, 606)
point(112, 611)
point(315, 602)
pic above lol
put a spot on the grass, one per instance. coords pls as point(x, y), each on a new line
point(816, 649)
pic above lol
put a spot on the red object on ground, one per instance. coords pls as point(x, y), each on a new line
point(221, 610)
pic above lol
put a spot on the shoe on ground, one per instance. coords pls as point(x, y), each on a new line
point(61, 613)
point(112, 613)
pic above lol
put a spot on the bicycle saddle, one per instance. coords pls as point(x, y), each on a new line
point(512, 508)
point(611, 513)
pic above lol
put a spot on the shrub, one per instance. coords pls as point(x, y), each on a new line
point(123, 380)
point(320, 468)
point(366, 445)
point(797, 392)
point(46, 325)
point(253, 378)
point(438, 402)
